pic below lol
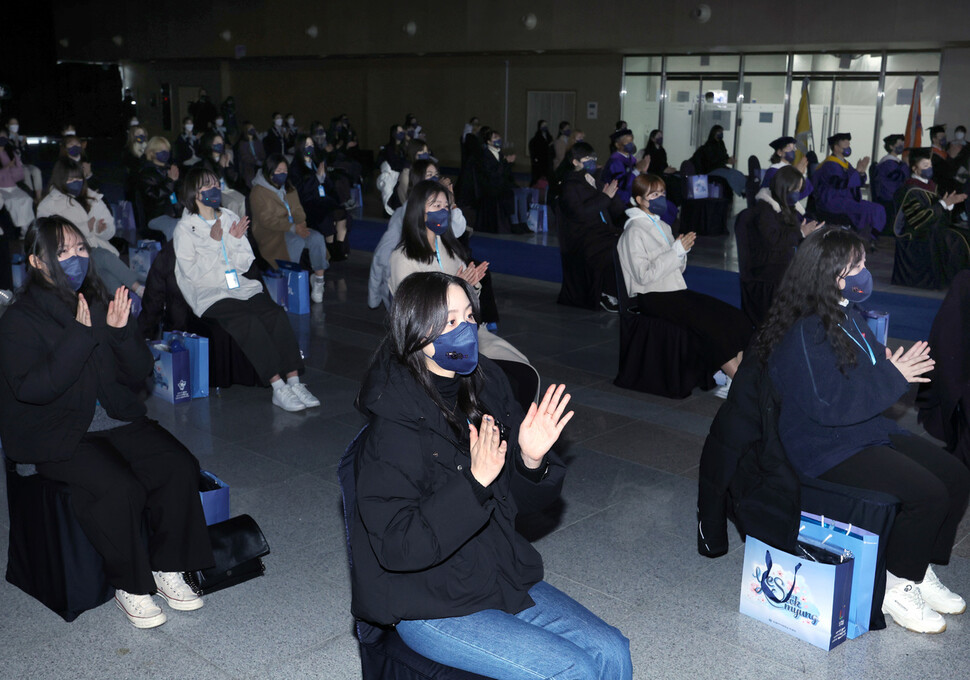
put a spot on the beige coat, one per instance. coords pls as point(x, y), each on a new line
point(489, 344)
point(271, 221)
point(651, 259)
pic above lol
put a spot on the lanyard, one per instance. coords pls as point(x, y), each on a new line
point(656, 223)
point(437, 254)
point(868, 348)
point(289, 214)
point(224, 254)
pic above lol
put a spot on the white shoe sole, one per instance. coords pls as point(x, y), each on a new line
point(291, 409)
point(182, 605)
point(142, 621)
point(900, 622)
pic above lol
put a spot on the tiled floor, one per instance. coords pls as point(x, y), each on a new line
point(622, 541)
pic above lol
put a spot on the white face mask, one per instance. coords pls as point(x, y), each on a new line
point(68, 133)
point(219, 122)
point(133, 123)
point(14, 129)
point(189, 127)
point(277, 122)
point(290, 121)
point(959, 135)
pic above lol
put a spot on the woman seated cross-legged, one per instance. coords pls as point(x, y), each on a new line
point(653, 262)
point(212, 253)
point(280, 223)
point(834, 380)
point(446, 463)
point(72, 365)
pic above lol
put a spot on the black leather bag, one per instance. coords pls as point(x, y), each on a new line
point(237, 545)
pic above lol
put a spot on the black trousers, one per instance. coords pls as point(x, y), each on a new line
point(722, 329)
point(933, 486)
point(124, 479)
point(262, 331)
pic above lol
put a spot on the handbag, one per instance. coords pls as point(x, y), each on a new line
point(237, 546)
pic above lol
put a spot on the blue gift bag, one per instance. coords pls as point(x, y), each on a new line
point(276, 286)
point(124, 216)
point(538, 219)
point(141, 257)
point(799, 595)
point(18, 270)
point(697, 186)
point(215, 498)
point(171, 372)
point(297, 287)
point(879, 323)
point(864, 546)
point(357, 196)
point(198, 348)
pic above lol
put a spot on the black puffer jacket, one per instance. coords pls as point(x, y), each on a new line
point(155, 189)
point(424, 545)
point(53, 370)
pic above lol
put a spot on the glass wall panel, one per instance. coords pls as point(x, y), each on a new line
point(865, 63)
point(913, 61)
point(642, 64)
point(758, 63)
point(762, 116)
point(698, 63)
point(640, 107)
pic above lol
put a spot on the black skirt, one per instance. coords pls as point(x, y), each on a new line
point(723, 330)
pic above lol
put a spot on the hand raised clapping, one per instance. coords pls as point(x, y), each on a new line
point(472, 273)
point(487, 451)
point(912, 363)
point(238, 229)
point(543, 424)
point(119, 308)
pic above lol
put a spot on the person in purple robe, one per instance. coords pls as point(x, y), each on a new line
point(838, 190)
point(623, 165)
point(784, 156)
point(889, 174)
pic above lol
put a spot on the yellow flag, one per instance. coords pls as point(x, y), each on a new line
point(804, 139)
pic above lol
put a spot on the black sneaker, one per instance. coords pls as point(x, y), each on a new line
point(610, 303)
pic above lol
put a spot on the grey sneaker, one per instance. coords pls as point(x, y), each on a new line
point(141, 610)
point(316, 288)
point(176, 592)
point(287, 399)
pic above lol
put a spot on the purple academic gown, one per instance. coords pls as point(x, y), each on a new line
point(890, 174)
point(620, 168)
point(837, 191)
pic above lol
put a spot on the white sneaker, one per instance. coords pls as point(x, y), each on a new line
point(316, 288)
point(141, 610)
point(287, 400)
point(176, 592)
point(722, 391)
point(905, 604)
point(938, 596)
point(303, 394)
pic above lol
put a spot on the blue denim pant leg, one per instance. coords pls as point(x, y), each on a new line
point(557, 639)
point(316, 244)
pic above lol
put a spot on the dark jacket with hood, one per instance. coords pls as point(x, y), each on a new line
point(428, 541)
point(53, 370)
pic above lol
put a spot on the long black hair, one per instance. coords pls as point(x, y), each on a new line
point(787, 180)
point(45, 240)
point(66, 169)
point(417, 317)
point(269, 167)
point(810, 288)
point(414, 234)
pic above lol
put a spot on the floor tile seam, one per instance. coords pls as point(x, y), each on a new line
point(305, 651)
point(181, 641)
point(636, 607)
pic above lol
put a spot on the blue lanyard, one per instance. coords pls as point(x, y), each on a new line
point(656, 223)
point(868, 348)
point(437, 254)
point(289, 213)
point(222, 241)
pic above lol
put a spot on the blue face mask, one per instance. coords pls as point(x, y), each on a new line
point(566, 132)
point(630, 148)
point(308, 151)
point(163, 156)
point(74, 187)
point(898, 149)
point(942, 142)
point(280, 178)
point(218, 148)
point(74, 152)
point(790, 156)
point(589, 166)
point(76, 270)
point(436, 178)
point(658, 206)
point(847, 151)
point(497, 143)
point(659, 141)
point(926, 173)
point(399, 136)
point(794, 197)
point(858, 287)
point(719, 136)
point(423, 156)
point(211, 197)
point(458, 350)
point(438, 221)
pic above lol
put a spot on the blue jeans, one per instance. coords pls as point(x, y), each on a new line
point(557, 639)
point(315, 243)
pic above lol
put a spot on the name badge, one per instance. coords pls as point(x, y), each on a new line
point(222, 183)
point(321, 191)
point(232, 279)
point(173, 198)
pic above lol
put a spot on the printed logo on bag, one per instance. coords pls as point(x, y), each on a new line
point(182, 385)
point(781, 590)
